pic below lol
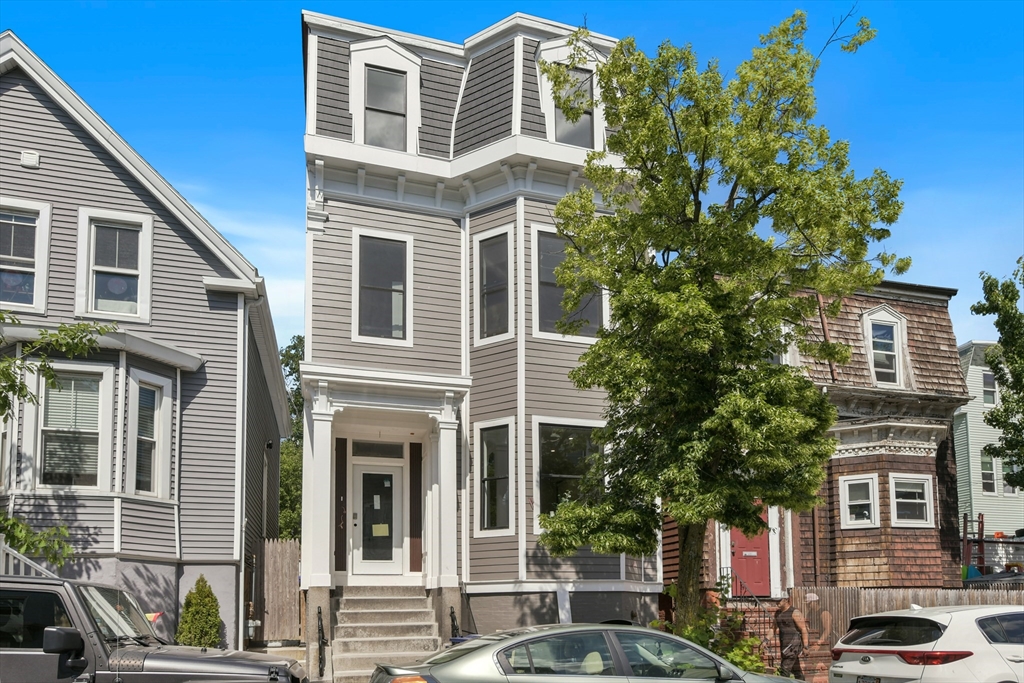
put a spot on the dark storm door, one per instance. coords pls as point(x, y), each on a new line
point(377, 529)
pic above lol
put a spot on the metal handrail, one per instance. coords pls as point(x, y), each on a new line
point(764, 630)
point(10, 559)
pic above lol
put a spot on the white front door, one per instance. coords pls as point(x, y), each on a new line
point(377, 535)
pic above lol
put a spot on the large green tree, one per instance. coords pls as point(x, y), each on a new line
point(1002, 299)
point(67, 341)
point(719, 207)
point(290, 521)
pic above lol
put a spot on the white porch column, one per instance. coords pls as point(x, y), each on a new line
point(432, 526)
point(448, 488)
point(317, 496)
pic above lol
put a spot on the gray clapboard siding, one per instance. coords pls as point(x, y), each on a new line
point(439, 94)
point(436, 292)
point(493, 367)
point(333, 117)
point(147, 528)
point(76, 171)
point(485, 114)
point(533, 122)
point(585, 564)
point(634, 569)
point(260, 428)
point(89, 519)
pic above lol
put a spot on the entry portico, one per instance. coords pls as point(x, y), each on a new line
point(380, 478)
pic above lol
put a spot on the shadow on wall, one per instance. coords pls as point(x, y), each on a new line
point(538, 608)
point(585, 564)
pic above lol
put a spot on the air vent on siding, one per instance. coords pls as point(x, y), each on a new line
point(30, 159)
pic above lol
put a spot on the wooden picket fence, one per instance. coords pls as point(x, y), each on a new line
point(277, 588)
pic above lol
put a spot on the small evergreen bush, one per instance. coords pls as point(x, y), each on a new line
point(199, 625)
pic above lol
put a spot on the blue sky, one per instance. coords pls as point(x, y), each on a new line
point(211, 95)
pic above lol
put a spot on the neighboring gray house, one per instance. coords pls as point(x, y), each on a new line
point(441, 423)
point(160, 452)
point(980, 482)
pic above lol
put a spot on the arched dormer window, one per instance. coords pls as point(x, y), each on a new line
point(385, 94)
point(885, 335)
point(588, 132)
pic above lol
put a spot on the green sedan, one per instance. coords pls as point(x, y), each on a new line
point(572, 653)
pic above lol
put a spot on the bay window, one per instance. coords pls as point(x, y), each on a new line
point(71, 431)
point(492, 254)
point(564, 452)
point(149, 434)
point(549, 294)
point(494, 479)
point(858, 501)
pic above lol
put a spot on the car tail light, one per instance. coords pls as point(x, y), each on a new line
point(933, 658)
point(914, 657)
point(409, 679)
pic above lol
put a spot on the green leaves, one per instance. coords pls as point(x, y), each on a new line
point(200, 624)
point(716, 213)
point(50, 544)
point(1006, 359)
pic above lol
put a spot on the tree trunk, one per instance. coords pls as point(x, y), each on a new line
point(691, 559)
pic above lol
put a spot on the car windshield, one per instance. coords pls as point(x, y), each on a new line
point(899, 631)
point(116, 613)
point(463, 649)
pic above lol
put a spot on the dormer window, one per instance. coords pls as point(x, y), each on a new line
point(581, 133)
point(385, 108)
point(883, 348)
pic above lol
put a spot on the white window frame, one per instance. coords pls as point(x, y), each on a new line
point(929, 501)
point(538, 420)
point(43, 211)
point(996, 467)
point(510, 424)
point(535, 230)
point(5, 456)
point(844, 497)
point(410, 311)
point(887, 316)
point(162, 433)
point(477, 300)
point(558, 50)
point(33, 432)
point(1002, 480)
point(384, 53)
point(87, 218)
point(994, 390)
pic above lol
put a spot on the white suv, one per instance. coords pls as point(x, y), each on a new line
point(965, 644)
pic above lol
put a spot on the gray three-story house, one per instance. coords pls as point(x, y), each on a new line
point(159, 452)
point(440, 421)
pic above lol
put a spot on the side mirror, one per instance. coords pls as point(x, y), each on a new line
point(60, 639)
point(726, 674)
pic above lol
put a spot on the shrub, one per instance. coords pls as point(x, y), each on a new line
point(200, 624)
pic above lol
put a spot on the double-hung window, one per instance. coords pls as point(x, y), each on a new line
point(494, 478)
point(988, 474)
point(988, 390)
point(883, 350)
point(17, 257)
point(564, 451)
point(493, 256)
point(551, 253)
point(1008, 469)
point(149, 434)
point(145, 439)
point(911, 500)
point(385, 108)
point(580, 91)
point(115, 268)
point(858, 501)
point(70, 431)
point(383, 288)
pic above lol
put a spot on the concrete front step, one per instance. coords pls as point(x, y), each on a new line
point(379, 604)
point(384, 592)
point(393, 616)
point(349, 663)
point(386, 645)
point(423, 629)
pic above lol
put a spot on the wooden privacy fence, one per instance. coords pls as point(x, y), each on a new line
point(277, 591)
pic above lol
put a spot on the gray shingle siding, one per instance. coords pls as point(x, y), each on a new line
point(77, 171)
point(485, 114)
point(333, 117)
point(439, 93)
point(533, 122)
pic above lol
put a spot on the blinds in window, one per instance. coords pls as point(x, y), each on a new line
point(74, 404)
point(70, 432)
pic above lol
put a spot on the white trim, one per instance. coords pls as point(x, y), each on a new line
point(399, 563)
point(520, 262)
point(312, 70)
point(236, 541)
point(929, 501)
point(477, 239)
point(844, 519)
point(537, 333)
point(724, 553)
point(230, 284)
point(41, 268)
point(558, 50)
point(558, 422)
point(162, 434)
point(122, 387)
point(33, 440)
point(357, 234)
point(87, 218)
point(464, 291)
point(117, 524)
point(517, 88)
point(510, 424)
point(384, 53)
point(578, 586)
point(176, 491)
point(886, 315)
point(774, 553)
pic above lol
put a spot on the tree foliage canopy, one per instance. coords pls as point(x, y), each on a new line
point(290, 521)
point(718, 207)
point(1002, 299)
point(200, 624)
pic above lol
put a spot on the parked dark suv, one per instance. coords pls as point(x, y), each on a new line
point(52, 630)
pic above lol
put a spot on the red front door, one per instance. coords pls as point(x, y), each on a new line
point(750, 565)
